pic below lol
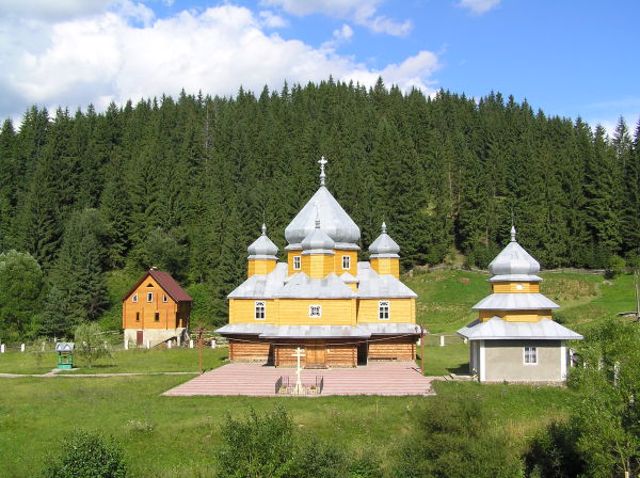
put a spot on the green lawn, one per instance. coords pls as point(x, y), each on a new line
point(153, 360)
point(170, 436)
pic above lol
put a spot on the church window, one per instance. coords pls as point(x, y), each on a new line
point(137, 316)
point(383, 310)
point(156, 317)
point(346, 262)
point(315, 311)
point(134, 299)
point(296, 263)
point(530, 355)
point(149, 296)
point(164, 298)
point(260, 310)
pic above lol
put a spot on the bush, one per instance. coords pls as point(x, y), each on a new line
point(615, 267)
point(90, 343)
point(553, 453)
point(455, 439)
point(87, 455)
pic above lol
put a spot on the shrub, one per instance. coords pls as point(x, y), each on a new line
point(87, 455)
point(553, 453)
point(90, 343)
point(455, 439)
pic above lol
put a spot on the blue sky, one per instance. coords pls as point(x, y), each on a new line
point(570, 58)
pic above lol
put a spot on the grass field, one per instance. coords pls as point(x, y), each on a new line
point(165, 436)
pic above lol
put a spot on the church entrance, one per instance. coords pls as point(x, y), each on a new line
point(139, 338)
point(363, 350)
point(315, 355)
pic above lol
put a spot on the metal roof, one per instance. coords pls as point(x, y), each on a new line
point(390, 328)
point(261, 286)
point(65, 347)
point(384, 245)
point(263, 247)
point(374, 285)
point(335, 221)
point(315, 332)
point(515, 278)
point(499, 329)
point(518, 301)
point(270, 331)
point(301, 286)
point(514, 260)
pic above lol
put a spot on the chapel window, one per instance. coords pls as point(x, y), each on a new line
point(149, 296)
point(315, 311)
point(296, 263)
point(156, 317)
point(383, 310)
point(346, 262)
point(134, 299)
point(164, 298)
point(260, 310)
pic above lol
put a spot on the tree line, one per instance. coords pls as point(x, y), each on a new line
point(185, 183)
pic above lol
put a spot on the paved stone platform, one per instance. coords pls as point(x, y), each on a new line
point(390, 379)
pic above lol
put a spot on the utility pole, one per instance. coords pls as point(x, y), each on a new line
point(422, 345)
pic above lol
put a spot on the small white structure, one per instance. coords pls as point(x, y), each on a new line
point(515, 338)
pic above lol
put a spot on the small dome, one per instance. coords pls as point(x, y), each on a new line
point(384, 245)
point(263, 246)
point(514, 260)
point(318, 240)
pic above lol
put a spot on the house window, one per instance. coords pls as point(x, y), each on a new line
point(260, 310)
point(156, 317)
point(383, 310)
point(530, 355)
point(134, 299)
point(296, 263)
point(346, 262)
point(315, 311)
point(164, 298)
point(137, 316)
point(149, 296)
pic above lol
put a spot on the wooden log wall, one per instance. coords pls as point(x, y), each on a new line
point(248, 352)
point(401, 349)
point(342, 355)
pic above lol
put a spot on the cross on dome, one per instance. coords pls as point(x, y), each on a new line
point(513, 233)
point(384, 227)
point(323, 176)
point(264, 229)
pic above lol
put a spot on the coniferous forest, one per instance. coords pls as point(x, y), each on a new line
point(185, 183)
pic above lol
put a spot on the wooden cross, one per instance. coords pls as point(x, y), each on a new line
point(298, 354)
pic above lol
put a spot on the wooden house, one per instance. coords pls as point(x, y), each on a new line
point(155, 310)
point(342, 311)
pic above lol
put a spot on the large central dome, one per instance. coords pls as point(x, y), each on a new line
point(334, 221)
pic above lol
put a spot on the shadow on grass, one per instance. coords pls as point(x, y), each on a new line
point(462, 369)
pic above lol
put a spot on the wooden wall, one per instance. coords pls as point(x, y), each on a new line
point(240, 351)
point(516, 287)
point(516, 315)
point(402, 349)
point(386, 265)
point(400, 310)
point(170, 316)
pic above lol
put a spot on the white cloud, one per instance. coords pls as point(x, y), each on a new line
point(361, 12)
point(104, 57)
point(51, 9)
point(340, 35)
point(271, 20)
point(479, 7)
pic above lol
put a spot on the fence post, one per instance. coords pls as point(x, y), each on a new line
point(1, 348)
point(616, 373)
point(22, 347)
point(126, 343)
point(442, 341)
point(213, 343)
point(43, 346)
point(169, 344)
point(178, 340)
point(148, 344)
point(190, 343)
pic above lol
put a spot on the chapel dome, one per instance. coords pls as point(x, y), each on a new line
point(384, 245)
point(317, 239)
point(514, 261)
point(336, 223)
point(263, 246)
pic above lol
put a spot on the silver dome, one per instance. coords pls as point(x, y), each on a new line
point(514, 261)
point(318, 240)
point(384, 246)
point(336, 223)
point(262, 247)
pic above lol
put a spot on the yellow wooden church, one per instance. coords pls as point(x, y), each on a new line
point(343, 312)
